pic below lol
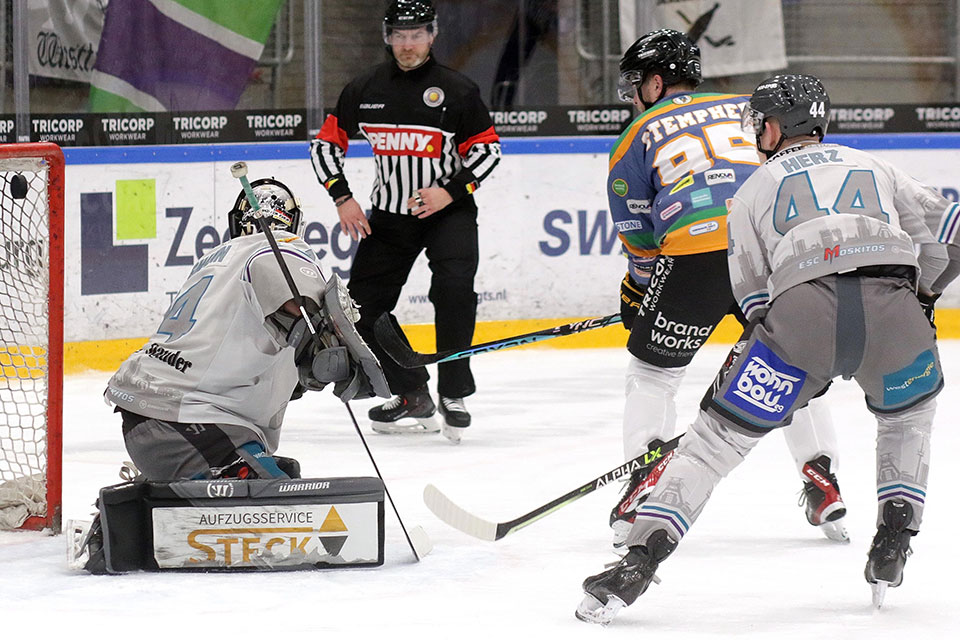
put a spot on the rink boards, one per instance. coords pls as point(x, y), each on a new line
point(139, 218)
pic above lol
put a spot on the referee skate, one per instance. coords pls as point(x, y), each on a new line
point(411, 412)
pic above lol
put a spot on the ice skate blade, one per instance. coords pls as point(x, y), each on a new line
point(879, 589)
point(592, 610)
point(407, 426)
point(451, 433)
point(835, 531)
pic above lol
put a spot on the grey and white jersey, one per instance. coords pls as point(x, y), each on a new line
point(215, 358)
point(816, 209)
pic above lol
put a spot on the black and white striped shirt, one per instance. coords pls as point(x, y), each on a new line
point(427, 127)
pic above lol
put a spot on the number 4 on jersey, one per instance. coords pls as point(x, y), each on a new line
point(180, 317)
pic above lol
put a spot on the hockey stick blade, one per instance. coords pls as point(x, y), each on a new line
point(397, 347)
point(462, 520)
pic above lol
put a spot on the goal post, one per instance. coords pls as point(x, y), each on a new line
point(31, 335)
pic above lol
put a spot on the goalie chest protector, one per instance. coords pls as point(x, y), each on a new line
point(230, 525)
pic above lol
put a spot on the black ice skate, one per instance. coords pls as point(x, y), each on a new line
point(889, 550)
point(456, 418)
point(824, 506)
point(639, 487)
point(411, 412)
point(618, 587)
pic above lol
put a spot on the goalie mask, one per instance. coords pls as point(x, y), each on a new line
point(277, 204)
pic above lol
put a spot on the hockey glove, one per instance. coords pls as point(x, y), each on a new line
point(927, 302)
point(631, 297)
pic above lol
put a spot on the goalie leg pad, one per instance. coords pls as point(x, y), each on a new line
point(242, 525)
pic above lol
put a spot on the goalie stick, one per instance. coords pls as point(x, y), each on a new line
point(461, 519)
point(417, 538)
point(397, 347)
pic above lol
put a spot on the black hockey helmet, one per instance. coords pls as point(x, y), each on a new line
point(409, 14)
point(798, 102)
point(277, 203)
point(666, 52)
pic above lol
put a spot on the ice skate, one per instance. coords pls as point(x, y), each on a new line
point(456, 418)
point(889, 550)
point(411, 412)
point(608, 592)
point(85, 545)
point(639, 486)
point(821, 494)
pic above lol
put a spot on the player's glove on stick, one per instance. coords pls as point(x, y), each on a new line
point(927, 302)
point(631, 297)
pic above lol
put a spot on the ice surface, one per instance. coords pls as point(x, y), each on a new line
point(544, 422)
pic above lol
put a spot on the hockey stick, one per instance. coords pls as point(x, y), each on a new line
point(397, 347)
point(417, 538)
point(459, 518)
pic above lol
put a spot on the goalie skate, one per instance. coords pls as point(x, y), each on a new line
point(76, 533)
point(412, 412)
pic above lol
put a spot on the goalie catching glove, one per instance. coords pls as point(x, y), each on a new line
point(340, 356)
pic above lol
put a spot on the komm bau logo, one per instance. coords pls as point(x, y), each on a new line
point(111, 260)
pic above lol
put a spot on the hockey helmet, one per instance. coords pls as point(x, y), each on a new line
point(276, 203)
point(798, 102)
point(409, 14)
point(666, 52)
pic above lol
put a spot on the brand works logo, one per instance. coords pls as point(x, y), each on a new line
point(765, 387)
point(111, 259)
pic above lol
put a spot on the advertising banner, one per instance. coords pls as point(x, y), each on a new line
point(548, 247)
point(63, 37)
point(734, 36)
point(282, 125)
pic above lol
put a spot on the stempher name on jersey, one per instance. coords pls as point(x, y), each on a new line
point(172, 358)
point(656, 130)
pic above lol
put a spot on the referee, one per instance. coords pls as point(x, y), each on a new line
point(433, 144)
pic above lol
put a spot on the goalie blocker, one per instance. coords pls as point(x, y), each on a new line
point(235, 525)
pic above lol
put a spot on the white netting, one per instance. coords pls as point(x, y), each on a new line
point(24, 284)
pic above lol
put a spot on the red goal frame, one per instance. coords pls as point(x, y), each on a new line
point(52, 156)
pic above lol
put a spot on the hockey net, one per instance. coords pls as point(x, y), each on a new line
point(31, 334)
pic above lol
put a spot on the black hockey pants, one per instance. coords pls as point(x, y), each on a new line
point(381, 267)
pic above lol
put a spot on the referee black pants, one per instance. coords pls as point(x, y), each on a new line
point(381, 267)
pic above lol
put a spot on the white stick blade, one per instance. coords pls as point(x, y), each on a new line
point(446, 510)
point(421, 542)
